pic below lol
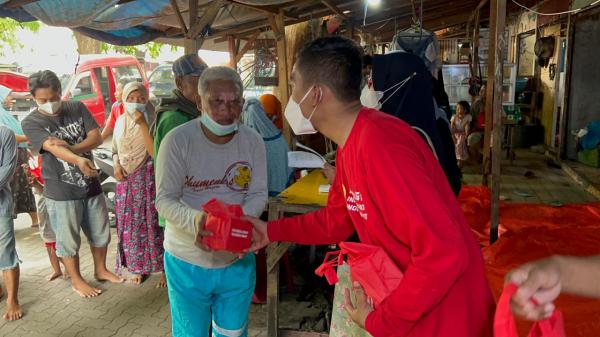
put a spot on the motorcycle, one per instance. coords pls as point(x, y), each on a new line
point(104, 162)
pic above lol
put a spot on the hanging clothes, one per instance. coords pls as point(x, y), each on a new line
point(413, 102)
point(279, 174)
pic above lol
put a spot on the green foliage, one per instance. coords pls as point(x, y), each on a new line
point(8, 30)
point(150, 48)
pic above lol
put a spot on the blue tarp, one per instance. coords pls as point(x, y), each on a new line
point(129, 23)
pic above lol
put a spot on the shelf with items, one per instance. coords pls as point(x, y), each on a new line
point(456, 82)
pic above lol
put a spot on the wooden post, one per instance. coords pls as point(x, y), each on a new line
point(278, 26)
point(191, 43)
point(563, 134)
point(498, 19)
point(273, 283)
point(232, 51)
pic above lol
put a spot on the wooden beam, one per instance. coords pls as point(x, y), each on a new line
point(274, 26)
point(333, 8)
point(191, 44)
point(282, 67)
point(12, 4)
point(232, 51)
point(179, 16)
point(263, 9)
point(207, 18)
point(249, 45)
point(498, 14)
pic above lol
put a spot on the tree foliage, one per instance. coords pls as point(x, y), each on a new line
point(152, 49)
point(8, 39)
point(8, 30)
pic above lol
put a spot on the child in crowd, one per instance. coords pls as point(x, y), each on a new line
point(460, 125)
point(37, 183)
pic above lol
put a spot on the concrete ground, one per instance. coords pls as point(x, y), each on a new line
point(53, 309)
point(546, 184)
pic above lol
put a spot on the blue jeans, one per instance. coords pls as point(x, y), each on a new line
point(69, 218)
point(8, 252)
point(196, 292)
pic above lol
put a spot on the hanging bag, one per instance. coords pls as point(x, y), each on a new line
point(505, 325)
point(369, 265)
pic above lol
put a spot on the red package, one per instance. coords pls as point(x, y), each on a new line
point(369, 265)
point(230, 232)
point(505, 325)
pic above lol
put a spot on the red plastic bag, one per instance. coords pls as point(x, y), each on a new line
point(230, 232)
point(505, 325)
point(369, 265)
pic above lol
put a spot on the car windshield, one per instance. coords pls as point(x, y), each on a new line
point(163, 75)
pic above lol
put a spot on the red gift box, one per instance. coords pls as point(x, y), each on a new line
point(230, 232)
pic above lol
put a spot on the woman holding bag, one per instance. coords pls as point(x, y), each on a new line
point(140, 238)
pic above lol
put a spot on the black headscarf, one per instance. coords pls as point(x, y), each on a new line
point(414, 102)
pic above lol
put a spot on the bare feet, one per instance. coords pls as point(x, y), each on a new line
point(162, 283)
point(85, 290)
point(54, 276)
point(1, 292)
point(138, 279)
point(13, 311)
point(105, 275)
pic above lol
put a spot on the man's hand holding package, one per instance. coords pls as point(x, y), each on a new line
point(199, 223)
point(260, 236)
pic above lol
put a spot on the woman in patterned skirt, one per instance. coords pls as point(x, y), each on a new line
point(140, 237)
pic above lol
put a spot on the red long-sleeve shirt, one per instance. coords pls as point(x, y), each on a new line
point(390, 189)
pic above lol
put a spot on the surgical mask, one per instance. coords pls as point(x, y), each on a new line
point(299, 124)
point(216, 128)
point(371, 98)
point(131, 108)
point(50, 107)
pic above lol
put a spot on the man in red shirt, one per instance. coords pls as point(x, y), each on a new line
point(115, 111)
point(390, 189)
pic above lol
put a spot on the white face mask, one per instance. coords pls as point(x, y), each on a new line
point(370, 98)
point(131, 108)
point(50, 107)
point(216, 128)
point(299, 124)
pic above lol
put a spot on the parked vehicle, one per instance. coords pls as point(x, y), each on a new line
point(96, 78)
point(23, 102)
point(162, 81)
point(104, 162)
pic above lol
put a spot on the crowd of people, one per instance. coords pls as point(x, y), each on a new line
point(206, 142)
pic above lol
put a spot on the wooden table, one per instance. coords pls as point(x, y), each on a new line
point(301, 197)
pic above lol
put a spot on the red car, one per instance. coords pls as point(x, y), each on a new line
point(96, 78)
point(15, 81)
